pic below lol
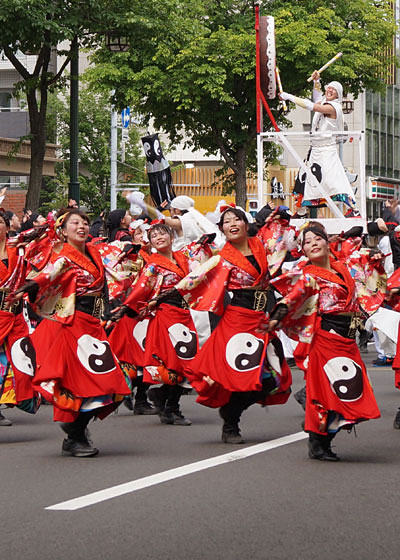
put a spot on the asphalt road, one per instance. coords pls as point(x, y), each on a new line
point(275, 504)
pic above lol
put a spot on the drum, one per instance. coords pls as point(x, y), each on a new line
point(267, 57)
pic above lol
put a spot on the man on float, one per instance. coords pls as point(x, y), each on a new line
point(323, 158)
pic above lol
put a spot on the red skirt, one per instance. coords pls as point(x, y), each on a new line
point(396, 361)
point(128, 339)
point(20, 353)
point(171, 345)
point(337, 385)
point(232, 357)
point(77, 361)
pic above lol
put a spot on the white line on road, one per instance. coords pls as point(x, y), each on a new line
point(134, 485)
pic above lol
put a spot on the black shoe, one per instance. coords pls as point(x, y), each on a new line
point(396, 423)
point(291, 362)
point(128, 403)
point(174, 418)
point(72, 448)
point(67, 427)
point(379, 362)
point(4, 421)
point(232, 437)
point(144, 408)
point(321, 451)
point(300, 397)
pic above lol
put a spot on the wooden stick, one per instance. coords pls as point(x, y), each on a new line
point(325, 66)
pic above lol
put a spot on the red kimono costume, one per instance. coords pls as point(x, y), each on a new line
point(392, 284)
point(170, 342)
point(17, 353)
point(76, 368)
point(121, 276)
point(321, 304)
point(236, 357)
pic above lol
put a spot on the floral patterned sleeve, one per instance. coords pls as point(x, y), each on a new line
point(147, 287)
point(301, 297)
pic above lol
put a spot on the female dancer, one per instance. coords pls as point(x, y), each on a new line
point(322, 303)
point(77, 370)
point(171, 341)
point(234, 369)
point(17, 354)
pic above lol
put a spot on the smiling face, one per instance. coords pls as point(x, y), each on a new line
point(331, 93)
point(234, 228)
point(76, 230)
point(137, 237)
point(315, 247)
point(160, 239)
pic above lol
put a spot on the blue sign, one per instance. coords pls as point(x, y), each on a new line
point(126, 117)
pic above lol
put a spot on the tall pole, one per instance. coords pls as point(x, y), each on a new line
point(113, 150)
point(73, 185)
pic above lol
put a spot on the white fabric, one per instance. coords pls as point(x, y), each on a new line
point(324, 153)
point(194, 225)
point(387, 322)
point(385, 247)
point(339, 89)
point(182, 202)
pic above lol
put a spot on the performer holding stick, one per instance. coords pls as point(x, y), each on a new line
point(322, 158)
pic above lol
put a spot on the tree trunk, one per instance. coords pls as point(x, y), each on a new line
point(241, 179)
point(37, 120)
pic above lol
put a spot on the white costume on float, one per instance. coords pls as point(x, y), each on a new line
point(323, 158)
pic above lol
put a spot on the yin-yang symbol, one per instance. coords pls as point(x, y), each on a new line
point(183, 340)
point(23, 356)
point(244, 351)
point(95, 355)
point(140, 332)
point(345, 377)
point(152, 149)
point(316, 171)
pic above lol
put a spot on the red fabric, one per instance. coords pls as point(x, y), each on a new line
point(20, 353)
point(234, 256)
point(173, 338)
point(78, 356)
point(396, 362)
point(233, 354)
point(127, 340)
point(337, 381)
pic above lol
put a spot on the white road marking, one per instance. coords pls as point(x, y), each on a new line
point(134, 485)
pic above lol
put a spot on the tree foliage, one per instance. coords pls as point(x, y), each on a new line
point(40, 27)
point(94, 152)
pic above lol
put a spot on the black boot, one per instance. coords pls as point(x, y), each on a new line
point(78, 444)
point(319, 447)
point(396, 422)
point(300, 397)
point(230, 428)
point(171, 413)
point(158, 396)
point(142, 405)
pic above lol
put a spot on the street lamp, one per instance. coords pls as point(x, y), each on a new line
point(114, 43)
point(73, 185)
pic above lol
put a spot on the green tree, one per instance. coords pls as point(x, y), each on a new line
point(94, 152)
point(39, 27)
point(191, 65)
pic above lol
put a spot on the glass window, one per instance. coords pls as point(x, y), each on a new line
point(5, 100)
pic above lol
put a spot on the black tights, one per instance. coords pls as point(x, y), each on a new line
point(76, 429)
point(232, 411)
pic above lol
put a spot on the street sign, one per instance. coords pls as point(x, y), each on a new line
point(126, 117)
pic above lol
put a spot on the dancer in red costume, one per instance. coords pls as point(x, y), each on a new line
point(17, 354)
point(77, 370)
point(320, 308)
point(238, 365)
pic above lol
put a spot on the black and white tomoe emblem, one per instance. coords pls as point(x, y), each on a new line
point(183, 340)
point(140, 333)
point(95, 355)
point(23, 355)
point(345, 377)
point(244, 351)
